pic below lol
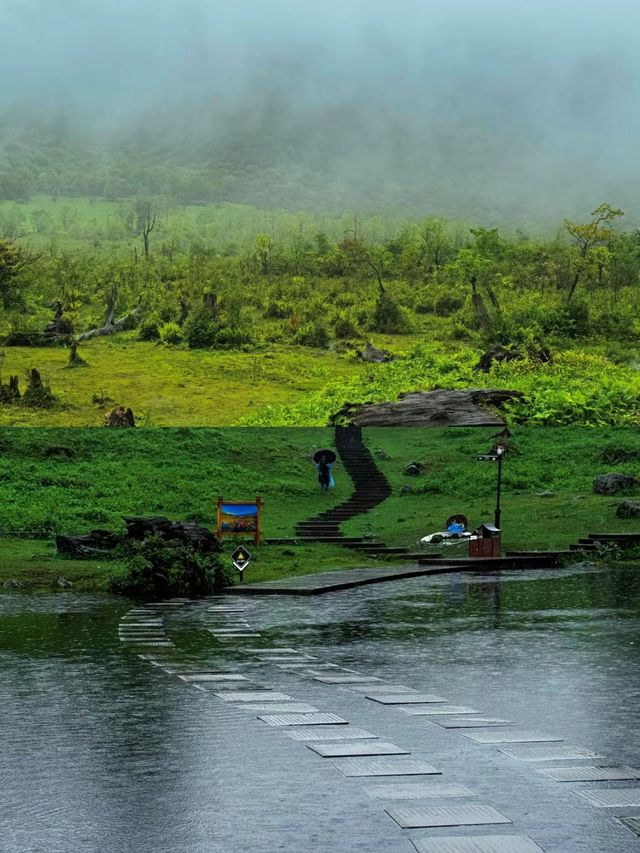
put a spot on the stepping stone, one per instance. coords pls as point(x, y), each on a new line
point(319, 669)
point(440, 710)
point(344, 679)
point(284, 707)
point(253, 696)
point(418, 791)
point(473, 723)
point(285, 659)
point(302, 719)
point(414, 817)
point(385, 767)
point(387, 689)
point(212, 676)
point(511, 737)
point(549, 753)
point(611, 797)
point(331, 733)
point(632, 823)
point(224, 638)
point(591, 773)
point(342, 750)
point(477, 844)
point(236, 629)
point(406, 698)
point(248, 651)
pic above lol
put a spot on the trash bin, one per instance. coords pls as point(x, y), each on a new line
point(486, 541)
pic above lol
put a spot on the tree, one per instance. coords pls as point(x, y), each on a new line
point(145, 222)
point(12, 262)
point(589, 235)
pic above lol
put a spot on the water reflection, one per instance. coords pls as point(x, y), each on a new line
point(101, 751)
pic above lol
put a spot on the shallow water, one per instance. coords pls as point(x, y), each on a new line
point(103, 751)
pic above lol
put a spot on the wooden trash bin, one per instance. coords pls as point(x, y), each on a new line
point(486, 541)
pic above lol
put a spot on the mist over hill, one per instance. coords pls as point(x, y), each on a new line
point(505, 111)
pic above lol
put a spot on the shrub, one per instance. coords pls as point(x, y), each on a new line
point(200, 329)
point(157, 568)
point(233, 338)
point(148, 330)
point(170, 333)
point(313, 334)
point(388, 317)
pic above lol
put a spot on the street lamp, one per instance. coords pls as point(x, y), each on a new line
point(497, 455)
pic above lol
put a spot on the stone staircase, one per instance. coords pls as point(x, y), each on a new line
point(370, 489)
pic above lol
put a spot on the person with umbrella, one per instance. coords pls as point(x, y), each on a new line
point(325, 460)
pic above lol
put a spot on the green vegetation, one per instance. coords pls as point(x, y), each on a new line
point(224, 314)
point(69, 480)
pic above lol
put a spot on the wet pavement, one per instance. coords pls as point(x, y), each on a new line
point(113, 743)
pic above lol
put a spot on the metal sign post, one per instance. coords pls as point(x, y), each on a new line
point(241, 559)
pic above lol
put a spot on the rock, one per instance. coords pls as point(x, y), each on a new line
point(98, 543)
point(373, 355)
point(613, 484)
point(413, 469)
point(119, 417)
point(546, 494)
point(440, 408)
point(628, 509)
point(499, 354)
point(63, 583)
point(406, 490)
point(200, 538)
point(12, 583)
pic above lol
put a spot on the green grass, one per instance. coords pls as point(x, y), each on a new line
point(561, 460)
point(35, 564)
point(180, 472)
point(170, 386)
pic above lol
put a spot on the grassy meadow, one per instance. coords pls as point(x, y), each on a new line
point(240, 315)
point(73, 480)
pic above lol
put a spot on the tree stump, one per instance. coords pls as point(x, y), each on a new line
point(119, 416)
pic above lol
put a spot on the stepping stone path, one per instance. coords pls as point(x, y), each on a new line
point(253, 696)
point(418, 791)
point(380, 767)
point(302, 719)
point(356, 752)
point(477, 844)
point(284, 707)
point(632, 823)
point(415, 817)
point(440, 710)
point(344, 679)
point(341, 750)
point(511, 737)
point(591, 774)
point(329, 733)
point(548, 753)
point(612, 797)
point(472, 723)
point(406, 698)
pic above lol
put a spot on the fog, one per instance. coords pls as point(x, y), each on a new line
point(503, 110)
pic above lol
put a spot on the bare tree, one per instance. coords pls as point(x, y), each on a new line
point(146, 221)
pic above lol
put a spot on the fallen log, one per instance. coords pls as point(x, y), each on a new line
point(123, 324)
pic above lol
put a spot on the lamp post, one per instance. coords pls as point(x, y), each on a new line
point(500, 451)
point(497, 455)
